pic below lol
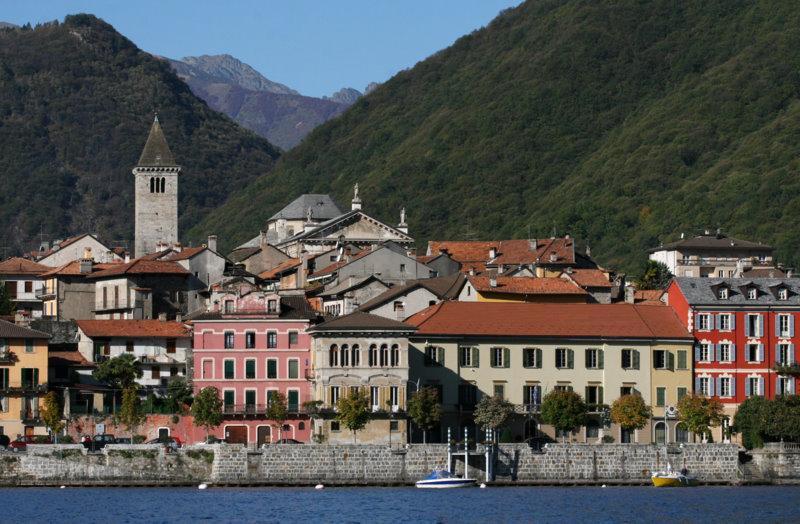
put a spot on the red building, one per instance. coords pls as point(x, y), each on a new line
point(743, 330)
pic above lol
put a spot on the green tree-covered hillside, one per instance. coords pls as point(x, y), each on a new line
point(76, 103)
point(620, 122)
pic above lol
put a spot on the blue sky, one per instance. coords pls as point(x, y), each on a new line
point(314, 46)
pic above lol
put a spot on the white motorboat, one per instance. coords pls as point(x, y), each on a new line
point(444, 479)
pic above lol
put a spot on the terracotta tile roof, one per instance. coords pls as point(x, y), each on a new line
point(589, 277)
point(715, 242)
point(11, 330)
point(74, 268)
point(72, 358)
point(276, 271)
point(133, 328)
point(443, 287)
point(526, 286)
point(504, 319)
point(21, 266)
point(185, 253)
point(362, 321)
point(508, 252)
point(331, 268)
point(142, 266)
point(648, 296)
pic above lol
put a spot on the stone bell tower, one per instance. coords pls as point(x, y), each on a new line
point(156, 192)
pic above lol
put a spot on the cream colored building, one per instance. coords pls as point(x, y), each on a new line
point(369, 354)
point(671, 380)
point(523, 351)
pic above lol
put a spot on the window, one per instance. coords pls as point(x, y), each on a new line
point(704, 352)
point(229, 399)
point(344, 356)
point(293, 338)
point(116, 296)
point(753, 387)
point(467, 395)
point(783, 294)
point(229, 307)
point(394, 397)
point(394, 425)
point(564, 359)
point(630, 359)
point(272, 339)
point(723, 293)
point(30, 377)
point(293, 400)
point(173, 371)
point(105, 298)
point(394, 359)
point(334, 395)
point(384, 355)
point(434, 356)
point(626, 390)
point(467, 357)
point(594, 358)
point(4, 378)
point(532, 396)
point(272, 368)
point(724, 388)
point(250, 400)
point(294, 368)
point(752, 293)
point(250, 368)
point(333, 356)
point(399, 306)
point(785, 327)
point(783, 386)
point(532, 357)
point(660, 359)
point(229, 340)
point(703, 322)
point(681, 393)
point(374, 401)
point(272, 306)
point(335, 425)
point(499, 391)
point(28, 346)
point(594, 397)
point(724, 322)
point(563, 387)
point(372, 356)
point(661, 397)
point(754, 352)
point(704, 386)
point(355, 356)
point(229, 369)
point(784, 356)
point(250, 340)
point(754, 326)
point(402, 268)
point(499, 357)
point(155, 372)
point(129, 346)
point(724, 353)
point(170, 345)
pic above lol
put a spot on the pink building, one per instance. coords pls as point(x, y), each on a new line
point(251, 345)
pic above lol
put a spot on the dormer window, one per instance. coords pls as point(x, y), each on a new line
point(752, 293)
point(724, 293)
point(783, 294)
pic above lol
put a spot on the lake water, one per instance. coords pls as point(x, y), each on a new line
point(372, 505)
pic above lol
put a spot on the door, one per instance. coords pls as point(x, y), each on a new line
point(236, 434)
point(264, 435)
point(28, 431)
point(163, 434)
point(207, 368)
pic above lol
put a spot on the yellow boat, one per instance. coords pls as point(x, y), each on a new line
point(670, 479)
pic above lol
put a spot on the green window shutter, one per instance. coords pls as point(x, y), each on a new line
point(681, 393)
point(229, 369)
point(586, 394)
point(682, 359)
point(600, 359)
point(635, 358)
point(475, 358)
point(272, 369)
point(3, 378)
point(35, 377)
point(506, 357)
point(600, 394)
point(440, 356)
point(586, 357)
point(670, 360)
point(570, 359)
point(250, 369)
point(539, 357)
point(228, 398)
point(293, 369)
point(249, 397)
point(292, 399)
point(661, 394)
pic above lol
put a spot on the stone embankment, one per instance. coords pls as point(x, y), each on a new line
point(514, 464)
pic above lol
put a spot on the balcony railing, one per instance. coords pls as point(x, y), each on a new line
point(29, 415)
point(253, 410)
point(725, 261)
point(27, 389)
point(43, 294)
point(527, 408)
point(7, 356)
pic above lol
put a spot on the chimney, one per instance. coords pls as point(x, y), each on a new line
point(472, 271)
point(262, 242)
point(85, 266)
point(162, 317)
point(127, 257)
point(629, 294)
point(533, 244)
point(492, 253)
point(212, 242)
point(178, 317)
point(553, 258)
point(109, 256)
point(588, 251)
point(492, 281)
point(177, 247)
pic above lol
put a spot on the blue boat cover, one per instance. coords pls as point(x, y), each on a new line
point(439, 474)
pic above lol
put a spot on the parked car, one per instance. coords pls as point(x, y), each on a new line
point(98, 442)
point(21, 443)
point(122, 440)
point(210, 440)
point(171, 442)
point(288, 441)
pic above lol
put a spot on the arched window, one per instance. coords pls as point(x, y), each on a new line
point(373, 356)
point(333, 356)
point(395, 356)
point(384, 355)
point(660, 433)
point(355, 356)
point(163, 184)
point(152, 185)
point(301, 426)
point(344, 356)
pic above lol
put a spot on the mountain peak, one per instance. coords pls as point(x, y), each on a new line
point(346, 95)
point(229, 69)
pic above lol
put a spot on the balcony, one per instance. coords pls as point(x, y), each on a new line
point(44, 294)
point(7, 357)
point(29, 416)
point(257, 410)
point(28, 389)
point(526, 409)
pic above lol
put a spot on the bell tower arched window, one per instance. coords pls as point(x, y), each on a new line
point(152, 185)
point(163, 184)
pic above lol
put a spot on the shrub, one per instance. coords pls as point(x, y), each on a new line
point(137, 439)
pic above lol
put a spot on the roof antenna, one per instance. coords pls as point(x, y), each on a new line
point(554, 229)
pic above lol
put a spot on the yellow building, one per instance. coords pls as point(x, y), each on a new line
point(671, 380)
point(521, 352)
point(23, 379)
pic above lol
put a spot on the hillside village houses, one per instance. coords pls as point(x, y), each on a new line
point(325, 303)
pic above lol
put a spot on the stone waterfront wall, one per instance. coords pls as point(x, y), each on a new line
point(356, 464)
point(775, 461)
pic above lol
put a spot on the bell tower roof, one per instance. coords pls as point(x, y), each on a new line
point(156, 152)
